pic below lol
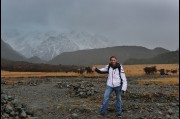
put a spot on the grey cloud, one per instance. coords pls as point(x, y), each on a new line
point(149, 23)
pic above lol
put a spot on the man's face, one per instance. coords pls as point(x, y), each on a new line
point(113, 61)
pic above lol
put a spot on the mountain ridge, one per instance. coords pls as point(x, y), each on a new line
point(8, 52)
point(171, 57)
point(101, 55)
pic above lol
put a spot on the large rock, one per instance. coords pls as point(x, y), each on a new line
point(84, 89)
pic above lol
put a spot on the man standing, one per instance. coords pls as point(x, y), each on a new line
point(116, 82)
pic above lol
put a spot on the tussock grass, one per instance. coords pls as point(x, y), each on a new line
point(138, 70)
point(7, 74)
point(130, 70)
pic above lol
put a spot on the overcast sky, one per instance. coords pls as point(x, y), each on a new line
point(149, 23)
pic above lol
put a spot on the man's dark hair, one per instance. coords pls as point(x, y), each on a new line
point(112, 57)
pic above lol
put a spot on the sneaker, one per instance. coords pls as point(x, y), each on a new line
point(118, 115)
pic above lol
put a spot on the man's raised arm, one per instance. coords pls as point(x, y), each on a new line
point(102, 70)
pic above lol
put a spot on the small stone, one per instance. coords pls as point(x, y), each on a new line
point(2, 116)
point(10, 98)
point(92, 88)
point(33, 118)
point(82, 95)
point(16, 113)
point(23, 114)
point(74, 116)
point(168, 116)
point(24, 105)
point(82, 87)
point(2, 92)
point(136, 107)
point(173, 104)
point(14, 102)
point(84, 90)
point(79, 90)
point(158, 104)
point(33, 84)
point(10, 118)
point(29, 111)
point(159, 112)
point(12, 113)
point(4, 96)
point(3, 101)
point(170, 111)
point(96, 91)
point(8, 108)
point(18, 106)
point(92, 92)
point(16, 117)
point(88, 93)
point(6, 115)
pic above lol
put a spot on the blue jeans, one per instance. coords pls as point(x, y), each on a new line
point(107, 95)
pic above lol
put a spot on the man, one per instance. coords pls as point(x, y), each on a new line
point(116, 82)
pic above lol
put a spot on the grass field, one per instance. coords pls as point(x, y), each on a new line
point(130, 70)
point(7, 74)
point(138, 70)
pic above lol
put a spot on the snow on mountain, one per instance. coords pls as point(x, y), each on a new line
point(47, 45)
point(53, 46)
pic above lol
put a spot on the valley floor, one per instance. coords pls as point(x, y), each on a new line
point(55, 98)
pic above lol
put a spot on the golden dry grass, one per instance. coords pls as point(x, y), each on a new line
point(169, 80)
point(7, 74)
point(138, 70)
point(130, 70)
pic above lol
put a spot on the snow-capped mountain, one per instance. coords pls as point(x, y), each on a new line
point(47, 45)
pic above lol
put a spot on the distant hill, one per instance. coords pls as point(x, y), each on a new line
point(101, 55)
point(35, 59)
point(7, 52)
point(164, 58)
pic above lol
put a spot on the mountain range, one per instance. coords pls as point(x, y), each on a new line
point(125, 55)
point(164, 58)
point(101, 55)
point(47, 45)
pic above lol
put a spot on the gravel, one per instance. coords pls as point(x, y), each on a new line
point(81, 98)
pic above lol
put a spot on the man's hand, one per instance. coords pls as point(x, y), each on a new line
point(93, 68)
point(123, 92)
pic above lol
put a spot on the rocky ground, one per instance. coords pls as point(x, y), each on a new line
point(81, 98)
